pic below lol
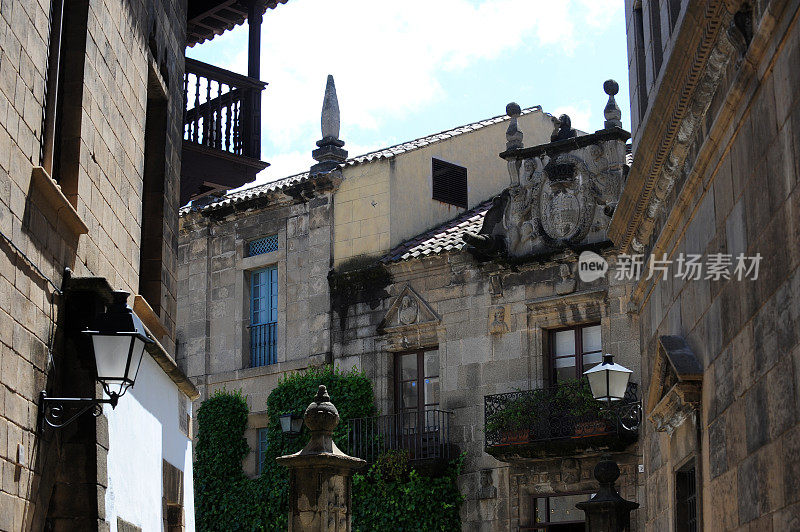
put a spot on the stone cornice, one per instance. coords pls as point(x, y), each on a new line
point(684, 103)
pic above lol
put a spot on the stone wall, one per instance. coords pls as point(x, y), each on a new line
point(105, 166)
point(214, 287)
point(737, 193)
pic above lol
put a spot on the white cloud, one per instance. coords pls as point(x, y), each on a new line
point(387, 58)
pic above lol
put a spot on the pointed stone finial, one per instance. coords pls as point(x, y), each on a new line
point(329, 153)
point(330, 111)
point(612, 112)
point(513, 134)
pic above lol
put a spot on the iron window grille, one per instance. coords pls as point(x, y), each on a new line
point(686, 498)
point(263, 245)
point(449, 183)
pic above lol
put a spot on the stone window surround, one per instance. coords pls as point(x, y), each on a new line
point(246, 265)
point(544, 315)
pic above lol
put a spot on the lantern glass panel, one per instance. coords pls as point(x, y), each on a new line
point(286, 423)
point(111, 355)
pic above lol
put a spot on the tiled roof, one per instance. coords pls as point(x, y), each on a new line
point(385, 153)
point(445, 237)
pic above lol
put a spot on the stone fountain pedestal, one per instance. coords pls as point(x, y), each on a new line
point(320, 475)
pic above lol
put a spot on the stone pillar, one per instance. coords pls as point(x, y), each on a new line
point(607, 511)
point(320, 474)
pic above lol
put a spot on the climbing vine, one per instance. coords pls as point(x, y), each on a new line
point(226, 499)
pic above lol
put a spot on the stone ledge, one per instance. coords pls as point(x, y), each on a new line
point(58, 202)
point(148, 316)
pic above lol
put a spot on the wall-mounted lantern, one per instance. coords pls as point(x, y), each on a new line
point(118, 339)
point(608, 380)
point(291, 424)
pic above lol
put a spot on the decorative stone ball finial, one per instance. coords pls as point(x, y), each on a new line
point(606, 472)
point(321, 415)
point(612, 112)
point(513, 134)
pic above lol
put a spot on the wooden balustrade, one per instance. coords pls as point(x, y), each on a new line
point(222, 109)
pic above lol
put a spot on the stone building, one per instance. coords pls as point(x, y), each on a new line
point(92, 135)
point(300, 272)
point(716, 131)
point(293, 230)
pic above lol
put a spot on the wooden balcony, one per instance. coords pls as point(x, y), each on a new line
point(221, 130)
point(558, 421)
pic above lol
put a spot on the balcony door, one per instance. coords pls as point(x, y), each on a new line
point(417, 381)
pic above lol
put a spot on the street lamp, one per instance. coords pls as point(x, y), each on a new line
point(608, 380)
point(118, 339)
point(291, 424)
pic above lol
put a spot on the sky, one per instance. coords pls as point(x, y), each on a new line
point(404, 70)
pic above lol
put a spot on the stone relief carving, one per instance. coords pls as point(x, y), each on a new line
point(562, 200)
point(498, 323)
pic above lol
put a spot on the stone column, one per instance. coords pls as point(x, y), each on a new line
point(320, 474)
point(607, 511)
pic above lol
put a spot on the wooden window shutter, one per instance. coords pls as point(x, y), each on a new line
point(449, 183)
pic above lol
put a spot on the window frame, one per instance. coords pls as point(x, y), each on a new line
point(447, 197)
point(398, 381)
point(578, 354)
point(262, 439)
point(683, 519)
point(271, 356)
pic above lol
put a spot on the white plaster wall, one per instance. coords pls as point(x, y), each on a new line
point(143, 430)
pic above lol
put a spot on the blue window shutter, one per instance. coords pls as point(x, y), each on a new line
point(263, 316)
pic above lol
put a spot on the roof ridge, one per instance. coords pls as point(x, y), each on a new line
point(387, 152)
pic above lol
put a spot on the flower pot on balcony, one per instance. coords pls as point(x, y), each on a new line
point(584, 429)
point(510, 437)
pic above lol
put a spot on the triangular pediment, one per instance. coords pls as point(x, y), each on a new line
point(409, 310)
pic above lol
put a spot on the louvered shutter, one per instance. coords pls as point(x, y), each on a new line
point(449, 183)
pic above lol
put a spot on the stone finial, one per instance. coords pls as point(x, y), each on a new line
point(513, 134)
point(330, 111)
point(612, 111)
point(329, 153)
point(319, 474)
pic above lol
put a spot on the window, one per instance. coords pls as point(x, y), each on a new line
point(262, 245)
point(172, 497)
point(686, 498)
point(262, 448)
point(417, 378)
point(61, 129)
point(573, 351)
point(155, 160)
point(263, 316)
point(557, 513)
point(655, 35)
point(449, 183)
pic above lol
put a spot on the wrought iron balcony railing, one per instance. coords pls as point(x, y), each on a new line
point(263, 344)
point(558, 419)
point(222, 109)
point(424, 434)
